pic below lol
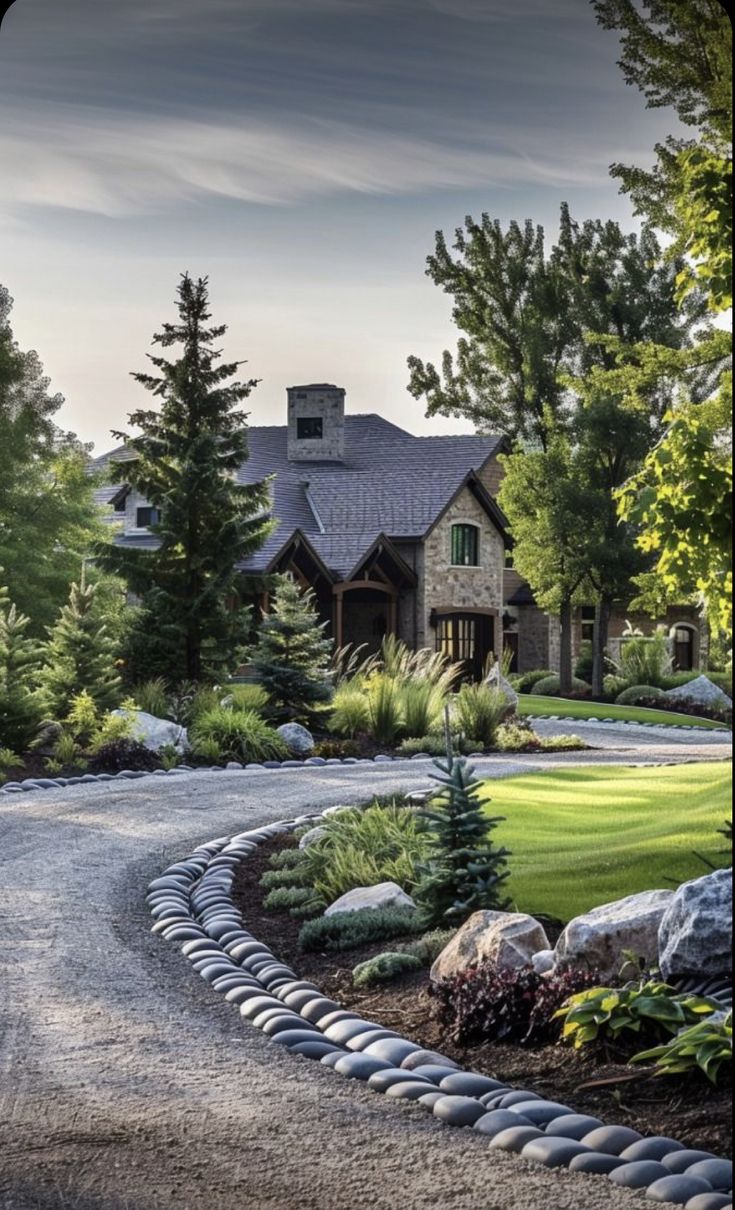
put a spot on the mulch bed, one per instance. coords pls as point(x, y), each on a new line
point(687, 1109)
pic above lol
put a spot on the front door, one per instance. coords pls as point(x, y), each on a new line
point(468, 639)
point(684, 649)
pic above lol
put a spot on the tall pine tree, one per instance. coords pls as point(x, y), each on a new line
point(291, 657)
point(20, 656)
point(185, 464)
point(80, 656)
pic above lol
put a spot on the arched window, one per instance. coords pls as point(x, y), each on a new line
point(465, 545)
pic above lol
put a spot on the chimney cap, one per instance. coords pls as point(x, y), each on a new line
point(318, 386)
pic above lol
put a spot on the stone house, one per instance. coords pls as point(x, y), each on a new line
point(396, 534)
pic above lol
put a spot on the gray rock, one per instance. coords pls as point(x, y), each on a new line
point(677, 1189)
point(573, 1126)
point(468, 1084)
point(48, 734)
point(342, 1031)
point(710, 1201)
point(311, 836)
point(419, 1057)
point(679, 1161)
point(234, 764)
point(155, 733)
point(543, 962)
point(429, 1099)
point(375, 1034)
point(382, 1080)
point(297, 739)
point(361, 1067)
point(540, 1112)
point(433, 1071)
point(695, 937)
point(315, 1050)
point(290, 1037)
point(553, 1152)
point(498, 681)
point(717, 1172)
point(458, 1111)
point(408, 1090)
point(392, 1049)
point(599, 938)
point(497, 1120)
point(515, 1138)
point(650, 1149)
point(638, 1174)
point(595, 1163)
point(701, 690)
point(612, 1140)
point(382, 895)
point(508, 939)
point(507, 1100)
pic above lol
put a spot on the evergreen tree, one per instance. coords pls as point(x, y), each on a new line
point(20, 657)
point(48, 518)
point(291, 656)
point(465, 871)
point(80, 656)
point(186, 463)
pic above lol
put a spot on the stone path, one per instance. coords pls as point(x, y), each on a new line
point(125, 1082)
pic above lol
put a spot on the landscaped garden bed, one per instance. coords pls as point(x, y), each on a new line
point(659, 819)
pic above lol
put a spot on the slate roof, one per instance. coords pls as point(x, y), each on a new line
point(389, 482)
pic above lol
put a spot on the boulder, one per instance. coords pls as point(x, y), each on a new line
point(297, 739)
point(599, 939)
point(509, 939)
point(156, 733)
point(382, 895)
point(498, 681)
point(311, 836)
point(703, 691)
point(45, 742)
point(695, 936)
point(543, 962)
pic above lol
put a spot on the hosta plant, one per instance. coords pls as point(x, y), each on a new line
point(706, 1047)
point(652, 1007)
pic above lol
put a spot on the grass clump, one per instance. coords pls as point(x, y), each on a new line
point(289, 876)
point(286, 858)
point(478, 712)
point(349, 930)
point(435, 745)
point(240, 735)
point(383, 968)
point(382, 843)
point(286, 898)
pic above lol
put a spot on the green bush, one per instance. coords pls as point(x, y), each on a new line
point(613, 685)
point(435, 745)
point(550, 686)
point(478, 712)
point(583, 665)
point(428, 947)
point(383, 843)
point(421, 707)
point(562, 743)
point(286, 858)
point(246, 696)
point(153, 697)
point(706, 1047)
point(385, 713)
point(384, 967)
point(349, 930)
point(20, 707)
point(350, 715)
point(526, 682)
point(290, 876)
point(652, 1008)
point(517, 736)
point(644, 660)
point(291, 655)
point(240, 735)
point(636, 693)
point(285, 898)
point(9, 759)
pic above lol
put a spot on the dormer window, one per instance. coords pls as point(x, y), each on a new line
point(465, 546)
point(146, 516)
point(310, 428)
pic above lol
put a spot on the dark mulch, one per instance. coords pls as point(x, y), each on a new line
point(689, 1110)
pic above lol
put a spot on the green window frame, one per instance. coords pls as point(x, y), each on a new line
point(465, 545)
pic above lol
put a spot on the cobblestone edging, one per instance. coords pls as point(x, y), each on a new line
point(192, 905)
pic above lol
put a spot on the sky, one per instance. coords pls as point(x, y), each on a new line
point(302, 154)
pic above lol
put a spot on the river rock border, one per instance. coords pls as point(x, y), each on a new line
point(192, 905)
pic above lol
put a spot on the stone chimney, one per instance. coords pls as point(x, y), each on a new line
point(316, 423)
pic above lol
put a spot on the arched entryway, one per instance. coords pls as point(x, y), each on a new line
point(466, 637)
point(683, 646)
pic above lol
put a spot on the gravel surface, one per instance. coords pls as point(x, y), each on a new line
point(127, 1084)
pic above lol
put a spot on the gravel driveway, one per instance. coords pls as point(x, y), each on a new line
point(125, 1082)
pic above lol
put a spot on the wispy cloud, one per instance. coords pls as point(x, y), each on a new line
point(116, 165)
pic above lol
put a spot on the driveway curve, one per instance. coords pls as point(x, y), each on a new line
point(127, 1084)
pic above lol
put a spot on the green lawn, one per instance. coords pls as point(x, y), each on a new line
point(581, 837)
point(530, 703)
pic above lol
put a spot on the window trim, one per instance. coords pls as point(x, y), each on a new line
point(466, 525)
point(149, 508)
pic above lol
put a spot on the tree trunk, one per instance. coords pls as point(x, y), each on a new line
point(565, 643)
point(599, 644)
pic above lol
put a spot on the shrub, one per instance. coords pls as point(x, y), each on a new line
point(334, 749)
point(291, 655)
point(613, 685)
point(209, 750)
point(66, 752)
point(119, 754)
point(383, 843)
point(464, 871)
point(152, 697)
point(645, 661)
point(290, 876)
point(421, 705)
point(517, 736)
point(109, 728)
point(583, 665)
point(245, 696)
point(286, 858)
point(284, 898)
point(80, 656)
point(350, 714)
point(384, 967)
point(526, 682)
point(478, 712)
point(487, 1003)
point(20, 710)
point(550, 686)
point(562, 743)
point(9, 759)
point(435, 745)
point(706, 1047)
point(241, 735)
point(428, 947)
point(634, 695)
point(349, 930)
point(653, 1008)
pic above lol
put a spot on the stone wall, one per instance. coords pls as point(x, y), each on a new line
point(325, 403)
point(444, 587)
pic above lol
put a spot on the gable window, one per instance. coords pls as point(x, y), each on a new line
point(147, 516)
point(465, 546)
point(588, 623)
point(310, 428)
